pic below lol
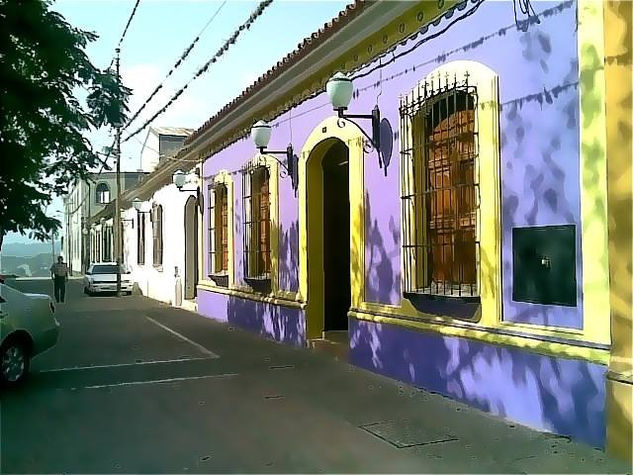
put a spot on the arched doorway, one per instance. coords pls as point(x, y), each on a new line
point(328, 236)
point(191, 248)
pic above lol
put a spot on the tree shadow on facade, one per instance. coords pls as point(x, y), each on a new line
point(289, 257)
point(282, 324)
point(557, 395)
point(382, 283)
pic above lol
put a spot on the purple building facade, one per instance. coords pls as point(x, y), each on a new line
point(509, 347)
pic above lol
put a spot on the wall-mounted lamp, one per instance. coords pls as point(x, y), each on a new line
point(141, 206)
point(180, 179)
point(260, 133)
point(340, 89)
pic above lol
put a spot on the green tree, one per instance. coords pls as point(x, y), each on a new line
point(43, 148)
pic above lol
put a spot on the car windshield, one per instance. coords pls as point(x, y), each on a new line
point(104, 269)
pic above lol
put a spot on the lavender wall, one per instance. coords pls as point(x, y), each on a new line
point(539, 150)
point(557, 395)
point(283, 324)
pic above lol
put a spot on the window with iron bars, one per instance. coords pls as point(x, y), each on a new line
point(218, 229)
point(440, 189)
point(157, 234)
point(256, 206)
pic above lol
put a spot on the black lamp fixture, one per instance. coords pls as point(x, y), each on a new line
point(340, 89)
point(180, 179)
point(260, 133)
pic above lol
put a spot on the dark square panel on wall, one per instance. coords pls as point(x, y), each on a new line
point(544, 265)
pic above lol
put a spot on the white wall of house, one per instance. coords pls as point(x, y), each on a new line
point(159, 282)
point(149, 153)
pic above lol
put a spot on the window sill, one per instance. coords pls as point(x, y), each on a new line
point(159, 268)
point(458, 307)
point(220, 279)
point(259, 284)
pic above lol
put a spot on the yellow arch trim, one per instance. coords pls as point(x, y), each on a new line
point(487, 165)
point(223, 177)
point(310, 177)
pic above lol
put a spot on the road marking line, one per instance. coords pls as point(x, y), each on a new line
point(79, 368)
point(197, 345)
point(158, 381)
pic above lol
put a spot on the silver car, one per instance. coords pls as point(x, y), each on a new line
point(101, 277)
point(27, 328)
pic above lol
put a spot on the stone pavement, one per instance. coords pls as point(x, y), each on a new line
point(138, 387)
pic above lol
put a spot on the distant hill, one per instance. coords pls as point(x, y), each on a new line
point(36, 266)
point(31, 249)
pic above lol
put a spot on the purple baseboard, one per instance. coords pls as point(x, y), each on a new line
point(558, 395)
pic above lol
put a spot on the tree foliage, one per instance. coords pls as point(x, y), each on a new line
point(43, 148)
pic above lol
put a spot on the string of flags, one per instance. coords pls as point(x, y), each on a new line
point(176, 65)
point(223, 49)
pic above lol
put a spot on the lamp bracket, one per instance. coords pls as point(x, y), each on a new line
point(288, 153)
point(375, 124)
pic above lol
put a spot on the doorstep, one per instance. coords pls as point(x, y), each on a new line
point(190, 305)
point(334, 343)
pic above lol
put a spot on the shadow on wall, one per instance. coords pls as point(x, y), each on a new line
point(557, 395)
point(282, 324)
point(289, 258)
point(383, 281)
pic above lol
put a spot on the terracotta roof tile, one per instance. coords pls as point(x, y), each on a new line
point(308, 44)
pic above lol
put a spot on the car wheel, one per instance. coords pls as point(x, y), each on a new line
point(15, 362)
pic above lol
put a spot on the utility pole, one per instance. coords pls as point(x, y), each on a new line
point(117, 212)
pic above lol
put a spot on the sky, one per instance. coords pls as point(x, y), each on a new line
point(158, 35)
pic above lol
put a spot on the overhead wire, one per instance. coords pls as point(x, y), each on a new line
point(176, 65)
point(127, 26)
point(225, 47)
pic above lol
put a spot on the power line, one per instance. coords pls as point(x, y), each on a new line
point(178, 62)
point(127, 25)
point(225, 47)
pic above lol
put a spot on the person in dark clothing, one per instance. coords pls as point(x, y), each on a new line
point(59, 274)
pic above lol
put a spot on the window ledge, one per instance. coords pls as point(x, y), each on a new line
point(221, 279)
point(458, 307)
point(159, 267)
point(259, 284)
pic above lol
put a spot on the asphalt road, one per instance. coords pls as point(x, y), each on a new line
point(138, 387)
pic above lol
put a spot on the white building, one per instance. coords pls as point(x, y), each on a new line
point(162, 265)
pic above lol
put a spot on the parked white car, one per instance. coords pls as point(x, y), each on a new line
point(27, 328)
point(101, 277)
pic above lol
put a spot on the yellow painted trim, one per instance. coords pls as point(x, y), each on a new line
point(544, 347)
point(310, 212)
point(210, 286)
point(272, 164)
point(223, 177)
point(487, 168)
point(593, 172)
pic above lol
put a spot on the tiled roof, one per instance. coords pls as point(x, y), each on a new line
point(304, 48)
point(179, 131)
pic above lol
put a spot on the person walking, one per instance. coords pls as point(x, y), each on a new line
point(59, 274)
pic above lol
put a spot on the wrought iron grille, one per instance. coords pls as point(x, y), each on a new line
point(256, 206)
point(218, 229)
point(440, 193)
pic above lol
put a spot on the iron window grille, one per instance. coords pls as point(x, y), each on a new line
point(440, 191)
point(256, 206)
point(140, 238)
point(157, 234)
point(218, 229)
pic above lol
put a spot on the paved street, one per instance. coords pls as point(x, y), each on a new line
point(138, 387)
